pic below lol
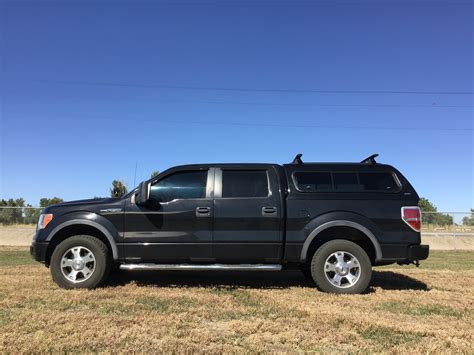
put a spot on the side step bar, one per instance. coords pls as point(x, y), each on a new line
point(204, 267)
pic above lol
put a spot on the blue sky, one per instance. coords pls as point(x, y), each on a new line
point(90, 89)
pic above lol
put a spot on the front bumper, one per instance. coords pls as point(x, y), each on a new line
point(39, 251)
point(418, 252)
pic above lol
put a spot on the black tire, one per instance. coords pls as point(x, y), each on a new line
point(102, 263)
point(321, 277)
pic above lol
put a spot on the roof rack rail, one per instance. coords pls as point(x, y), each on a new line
point(370, 160)
point(297, 159)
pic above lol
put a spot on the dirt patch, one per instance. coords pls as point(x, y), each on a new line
point(18, 235)
point(449, 242)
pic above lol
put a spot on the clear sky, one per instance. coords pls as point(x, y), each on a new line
point(90, 89)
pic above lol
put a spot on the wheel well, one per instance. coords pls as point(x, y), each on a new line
point(75, 229)
point(342, 232)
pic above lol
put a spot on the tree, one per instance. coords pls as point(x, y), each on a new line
point(431, 214)
point(469, 221)
point(31, 214)
point(154, 173)
point(11, 215)
point(21, 213)
point(45, 202)
point(118, 189)
point(426, 205)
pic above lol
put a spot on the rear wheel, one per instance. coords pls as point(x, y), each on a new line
point(81, 261)
point(341, 266)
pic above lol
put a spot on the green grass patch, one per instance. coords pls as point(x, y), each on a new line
point(443, 260)
point(253, 306)
point(15, 258)
point(5, 317)
point(155, 304)
point(436, 310)
point(423, 310)
point(387, 337)
point(149, 304)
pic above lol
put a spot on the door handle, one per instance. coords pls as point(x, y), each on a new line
point(203, 211)
point(269, 211)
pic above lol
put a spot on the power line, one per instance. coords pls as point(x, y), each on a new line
point(241, 89)
point(303, 104)
point(310, 126)
point(277, 125)
point(259, 103)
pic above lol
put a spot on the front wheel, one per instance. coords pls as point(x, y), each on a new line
point(81, 261)
point(341, 266)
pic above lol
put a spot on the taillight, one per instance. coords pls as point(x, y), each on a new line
point(412, 217)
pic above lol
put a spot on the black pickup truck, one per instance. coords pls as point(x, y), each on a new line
point(334, 221)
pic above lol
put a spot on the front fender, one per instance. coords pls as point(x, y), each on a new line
point(341, 219)
point(85, 218)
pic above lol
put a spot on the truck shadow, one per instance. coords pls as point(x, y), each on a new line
point(389, 280)
point(386, 280)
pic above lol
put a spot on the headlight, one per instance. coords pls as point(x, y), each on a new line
point(44, 219)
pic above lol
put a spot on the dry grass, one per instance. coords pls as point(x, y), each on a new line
point(429, 309)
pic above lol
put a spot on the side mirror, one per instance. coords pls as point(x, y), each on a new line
point(143, 193)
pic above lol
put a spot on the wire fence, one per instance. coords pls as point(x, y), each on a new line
point(19, 215)
point(441, 230)
point(433, 222)
point(448, 222)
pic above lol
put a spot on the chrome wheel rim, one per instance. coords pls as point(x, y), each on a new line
point(342, 269)
point(78, 264)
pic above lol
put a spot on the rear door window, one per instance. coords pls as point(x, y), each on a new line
point(244, 183)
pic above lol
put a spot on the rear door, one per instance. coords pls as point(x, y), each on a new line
point(247, 215)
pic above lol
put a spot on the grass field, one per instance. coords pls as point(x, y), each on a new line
point(429, 309)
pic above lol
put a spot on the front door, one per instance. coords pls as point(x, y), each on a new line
point(176, 223)
point(247, 215)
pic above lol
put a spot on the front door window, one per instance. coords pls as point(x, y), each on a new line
point(181, 185)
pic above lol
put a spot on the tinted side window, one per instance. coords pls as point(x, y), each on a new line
point(182, 185)
point(347, 182)
point(378, 181)
point(244, 183)
point(312, 182)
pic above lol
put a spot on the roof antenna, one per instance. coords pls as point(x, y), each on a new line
point(370, 160)
point(297, 159)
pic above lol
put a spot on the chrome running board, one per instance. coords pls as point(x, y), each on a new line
point(203, 267)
